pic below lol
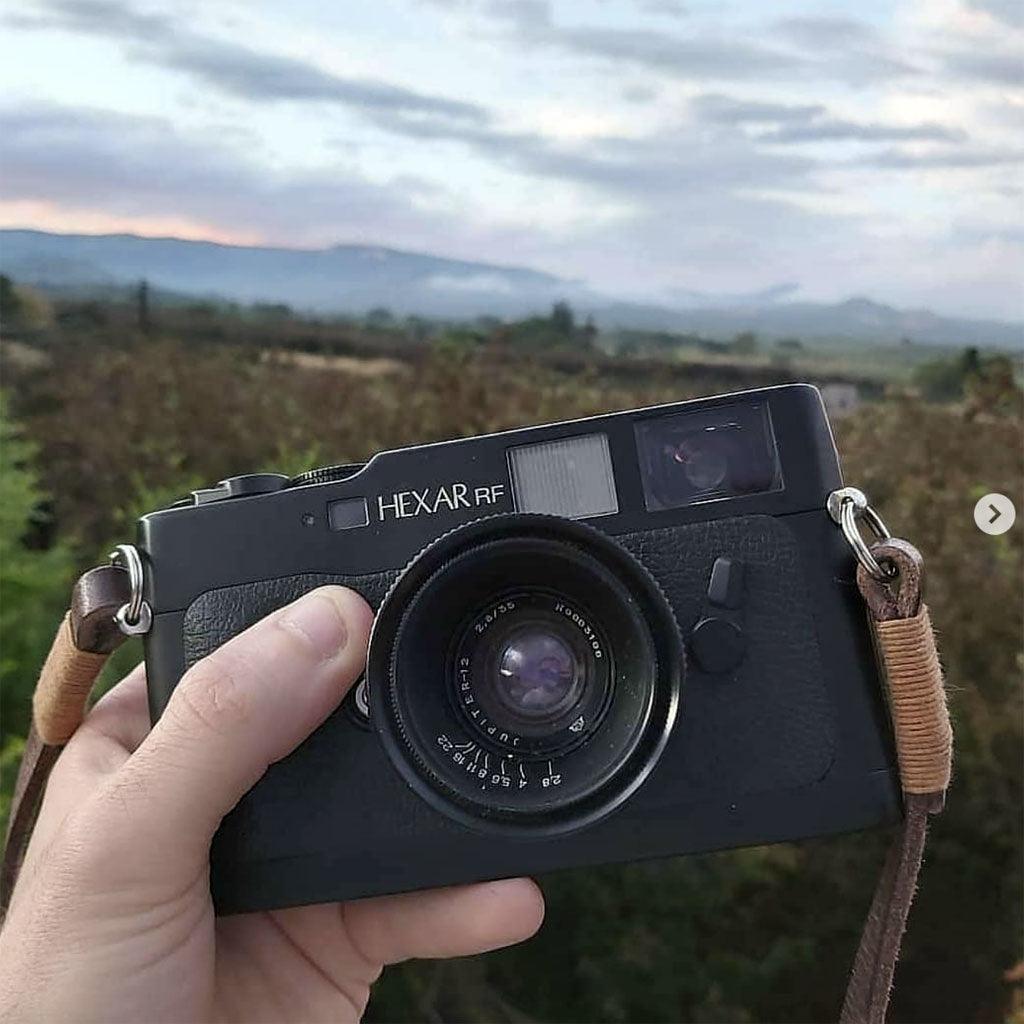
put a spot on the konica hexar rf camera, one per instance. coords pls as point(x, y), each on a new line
point(620, 637)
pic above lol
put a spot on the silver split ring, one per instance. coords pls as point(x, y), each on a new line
point(134, 616)
point(848, 504)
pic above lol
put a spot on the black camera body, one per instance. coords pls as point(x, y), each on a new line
point(628, 636)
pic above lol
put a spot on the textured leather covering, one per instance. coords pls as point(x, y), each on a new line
point(765, 726)
point(768, 724)
point(218, 615)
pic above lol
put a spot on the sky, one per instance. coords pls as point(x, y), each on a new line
point(652, 149)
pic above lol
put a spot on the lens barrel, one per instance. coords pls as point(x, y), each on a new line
point(524, 673)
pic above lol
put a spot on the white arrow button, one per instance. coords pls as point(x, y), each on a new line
point(994, 514)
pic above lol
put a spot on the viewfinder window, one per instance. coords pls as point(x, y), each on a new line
point(571, 477)
point(706, 455)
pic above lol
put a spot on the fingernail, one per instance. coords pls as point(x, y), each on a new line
point(318, 619)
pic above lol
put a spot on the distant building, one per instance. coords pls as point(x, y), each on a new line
point(840, 399)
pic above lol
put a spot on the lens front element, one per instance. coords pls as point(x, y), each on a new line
point(538, 675)
point(532, 672)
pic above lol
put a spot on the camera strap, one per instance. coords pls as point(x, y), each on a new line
point(88, 634)
point(890, 577)
point(107, 606)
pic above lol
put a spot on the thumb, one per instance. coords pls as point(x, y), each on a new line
point(239, 710)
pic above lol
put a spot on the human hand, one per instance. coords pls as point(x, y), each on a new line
point(112, 920)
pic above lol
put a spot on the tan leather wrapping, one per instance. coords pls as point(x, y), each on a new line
point(65, 682)
point(85, 640)
point(924, 737)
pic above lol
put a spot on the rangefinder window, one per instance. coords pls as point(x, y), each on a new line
point(571, 477)
point(706, 455)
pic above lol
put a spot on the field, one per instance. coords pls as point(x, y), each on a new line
point(107, 415)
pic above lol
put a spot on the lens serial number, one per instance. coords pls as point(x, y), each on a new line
point(583, 626)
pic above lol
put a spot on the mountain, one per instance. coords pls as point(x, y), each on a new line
point(858, 319)
point(344, 278)
point(356, 278)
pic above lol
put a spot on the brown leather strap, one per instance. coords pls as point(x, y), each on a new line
point(58, 704)
point(924, 747)
point(85, 640)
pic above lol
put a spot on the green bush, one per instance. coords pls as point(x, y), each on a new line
point(34, 581)
point(34, 584)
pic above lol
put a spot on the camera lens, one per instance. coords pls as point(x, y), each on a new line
point(538, 675)
point(530, 672)
point(524, 673)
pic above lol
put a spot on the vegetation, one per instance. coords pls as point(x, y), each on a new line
point(105, 421)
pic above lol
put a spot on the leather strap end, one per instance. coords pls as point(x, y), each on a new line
point(917, 698)
point(67, 678)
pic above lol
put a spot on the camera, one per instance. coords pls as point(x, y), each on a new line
point(629, 636)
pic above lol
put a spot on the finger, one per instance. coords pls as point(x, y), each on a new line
point(111, 730)
point(237, 711)
point(445, 922)
point(103, 742)
point(121, 714)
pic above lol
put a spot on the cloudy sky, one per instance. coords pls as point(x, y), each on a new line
point(651, 148)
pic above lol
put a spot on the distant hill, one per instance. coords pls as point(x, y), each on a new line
point(855, 319)
point(357, 278)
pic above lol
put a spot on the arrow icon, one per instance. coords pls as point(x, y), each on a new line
point(994, 514)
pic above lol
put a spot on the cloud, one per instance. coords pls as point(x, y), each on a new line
point(665, 8)
point(1010, 12)
point(233, 68)
point(640, 168)
point(990, 67)
point(832, 130)
point(846, 49)
point(964, 159)
point(719, 109)
point(797, 48)
point(832, 33)
point(800, 123)
point(636, 93)
point(142, 166)
point(533, 24)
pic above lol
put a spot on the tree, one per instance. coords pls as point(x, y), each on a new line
point(23, 307)
point(380, 318)
point(745, 343)
point(142, 307)
point(947, 379)
point(417, 329)
point(10, 302)
point(33, 592)
point(562, 319)
point(589, 333)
